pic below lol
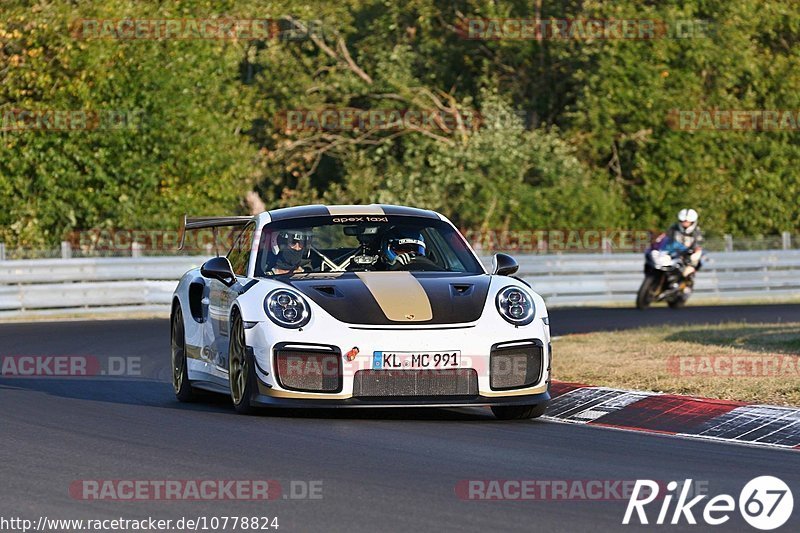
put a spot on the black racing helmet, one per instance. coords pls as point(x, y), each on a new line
point(402, 241)
point(291, 237)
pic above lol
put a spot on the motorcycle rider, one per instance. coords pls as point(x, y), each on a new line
point(685, 239)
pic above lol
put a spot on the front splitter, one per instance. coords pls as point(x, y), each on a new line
point(263, 400)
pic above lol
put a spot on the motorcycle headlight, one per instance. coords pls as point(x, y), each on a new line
point(287, 308)
point(516, 306)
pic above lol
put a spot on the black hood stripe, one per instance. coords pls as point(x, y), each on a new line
point(454, 298)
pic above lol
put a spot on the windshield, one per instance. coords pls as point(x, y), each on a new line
point(362, 243)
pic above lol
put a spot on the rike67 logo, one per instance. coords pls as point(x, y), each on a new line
point(765, 503)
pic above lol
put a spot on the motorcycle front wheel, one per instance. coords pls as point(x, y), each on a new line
point(647, 292)
point(677, 302)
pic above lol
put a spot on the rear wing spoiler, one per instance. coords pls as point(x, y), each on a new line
point(190, 223)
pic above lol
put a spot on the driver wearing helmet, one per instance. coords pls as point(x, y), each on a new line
point(292, 251)
point(687, 237)
point(403, 247)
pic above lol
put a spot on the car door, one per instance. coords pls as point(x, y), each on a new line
point(221, 297)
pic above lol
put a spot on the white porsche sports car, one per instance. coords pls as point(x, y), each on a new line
point(358, 306)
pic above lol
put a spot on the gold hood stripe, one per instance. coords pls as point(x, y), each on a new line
point(347, 210)
point(400, 296)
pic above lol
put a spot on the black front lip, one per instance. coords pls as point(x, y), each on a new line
point(263, 400)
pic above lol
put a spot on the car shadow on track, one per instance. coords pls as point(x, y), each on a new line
point(142, 392)
point(151, 393)
point(465, 414)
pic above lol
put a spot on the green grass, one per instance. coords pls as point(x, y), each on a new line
point(651, 358)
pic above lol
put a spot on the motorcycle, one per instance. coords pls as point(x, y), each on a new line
point(663, 276)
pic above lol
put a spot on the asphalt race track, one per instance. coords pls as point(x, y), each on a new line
point(385, 470)
point(587, 319)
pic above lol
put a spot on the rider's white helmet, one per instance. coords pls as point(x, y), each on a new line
point(687, 215)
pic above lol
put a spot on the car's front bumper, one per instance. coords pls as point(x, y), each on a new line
point(475, 342)
point(265, 400)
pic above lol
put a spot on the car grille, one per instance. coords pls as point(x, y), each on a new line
point(309, 370)
point(515, 366)
point(405, 383)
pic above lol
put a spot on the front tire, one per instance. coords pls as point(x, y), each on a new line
point(678, 302)
point(646, 292)
point(519, 412)
point(180, 374)
point(241, 374)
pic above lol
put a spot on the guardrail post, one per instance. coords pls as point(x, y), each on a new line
point(541, 246)
point(66, 250)
point(2, 251)
point(136, 249)
point(787, 240)
point(728, 243)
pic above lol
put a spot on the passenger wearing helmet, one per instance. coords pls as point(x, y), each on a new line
point(687, 237)
point(292, 251)
point(404, 249)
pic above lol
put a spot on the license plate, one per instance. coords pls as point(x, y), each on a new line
point(415, 360)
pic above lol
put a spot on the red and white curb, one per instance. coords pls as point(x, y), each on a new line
point(685, 416)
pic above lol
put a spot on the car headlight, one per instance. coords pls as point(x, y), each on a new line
point(287, 308)
point(516, 306)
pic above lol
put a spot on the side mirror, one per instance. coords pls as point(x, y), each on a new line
point(219, 268)
point(504, 265)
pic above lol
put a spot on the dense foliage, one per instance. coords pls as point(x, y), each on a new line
point(548, 133)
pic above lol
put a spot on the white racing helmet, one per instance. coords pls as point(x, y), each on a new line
point(687, 215)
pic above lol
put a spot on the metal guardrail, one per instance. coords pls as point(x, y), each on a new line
point(102, 285)
point(77, 286)
point(590, 279)
point(157, 243)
